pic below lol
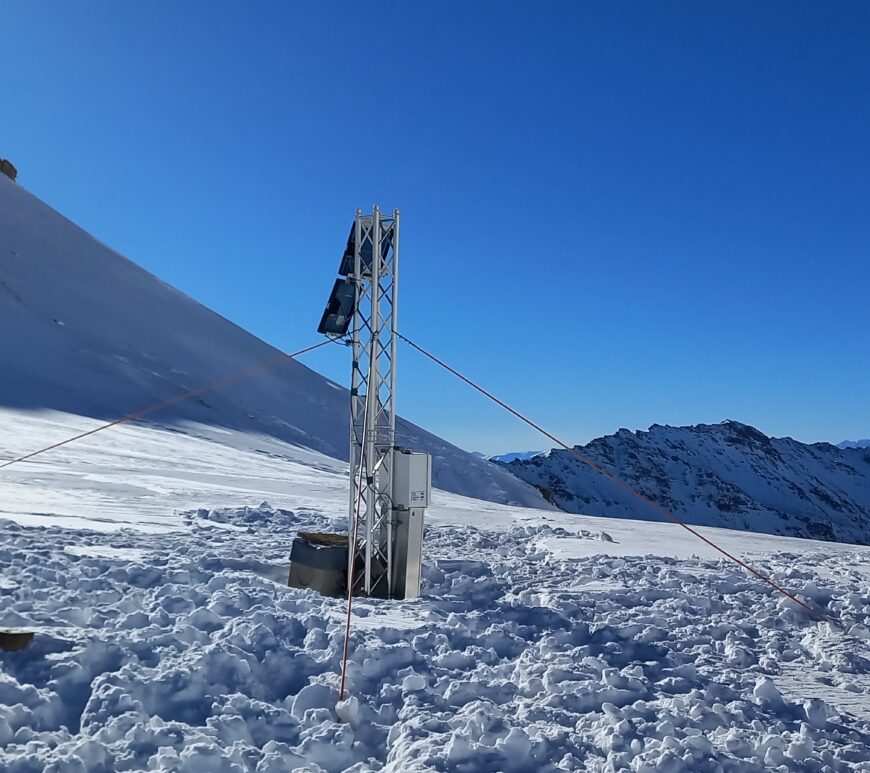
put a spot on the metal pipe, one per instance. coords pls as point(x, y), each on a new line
point(372, 393)
point(394, 323)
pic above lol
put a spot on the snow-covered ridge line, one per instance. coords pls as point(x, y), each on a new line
point(513, 456)
point(727, 474)
point(97, 336)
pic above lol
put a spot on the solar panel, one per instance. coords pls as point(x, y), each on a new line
point(339, 309)
point(346, 266)
point(365, 256)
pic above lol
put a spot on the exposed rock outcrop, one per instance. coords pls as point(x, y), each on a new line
point(8, 168)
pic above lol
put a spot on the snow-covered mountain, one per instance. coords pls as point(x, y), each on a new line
point(89, 333)
point(854, 444)
point(727, 474)
point(514, 455)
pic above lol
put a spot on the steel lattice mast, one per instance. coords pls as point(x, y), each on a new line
point(375, 278)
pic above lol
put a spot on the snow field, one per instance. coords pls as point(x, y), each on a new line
point(184, 651)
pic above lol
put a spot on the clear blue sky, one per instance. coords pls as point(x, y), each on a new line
point(614, 214)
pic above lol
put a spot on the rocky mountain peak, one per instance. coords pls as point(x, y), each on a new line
point(728, 474)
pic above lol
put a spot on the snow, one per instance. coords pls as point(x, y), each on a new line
point(128, 340)
point(154, 575)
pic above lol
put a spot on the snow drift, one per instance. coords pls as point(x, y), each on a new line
point(90, 333)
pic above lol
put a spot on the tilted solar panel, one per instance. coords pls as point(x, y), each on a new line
point(365, 256)
point(339, 309)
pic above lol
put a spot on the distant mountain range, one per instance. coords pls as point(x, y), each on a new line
point(854, 444)
point(514, 456)
point(727, 474)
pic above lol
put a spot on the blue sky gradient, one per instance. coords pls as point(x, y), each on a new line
point(613, 214)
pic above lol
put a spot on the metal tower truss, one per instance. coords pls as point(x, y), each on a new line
point(371, 265)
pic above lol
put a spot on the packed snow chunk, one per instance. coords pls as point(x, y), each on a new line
point(459, 749)
point(414, 683)
point(312, 697)
point(205, 620)
point(349, 711)
point(765, 692)
point(860, 631)
point(516, 744)
point(816, 711)
point(207, 758)
point(279, 758)
point(801, 748)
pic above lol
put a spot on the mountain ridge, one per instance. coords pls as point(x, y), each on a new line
point(854, 443)
point(729, 474)
point(513, 456)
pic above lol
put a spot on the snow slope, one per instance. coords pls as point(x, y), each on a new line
point(727, 474)
point(167, 639)
point(90, 333)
